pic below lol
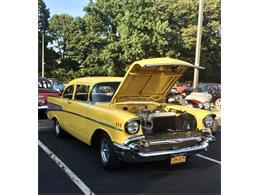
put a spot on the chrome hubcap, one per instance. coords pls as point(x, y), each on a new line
point(104, 150)
point(57, 128)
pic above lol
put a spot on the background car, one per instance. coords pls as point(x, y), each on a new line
point(181, 87)
point(215, 90)
point(199, 100)
point(45, 89)
point(58, 86)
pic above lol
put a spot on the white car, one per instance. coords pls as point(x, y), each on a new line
point(199, 100)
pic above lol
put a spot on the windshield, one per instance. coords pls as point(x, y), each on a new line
point(103, 92)
point(203, 88)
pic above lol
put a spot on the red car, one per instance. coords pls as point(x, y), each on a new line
point(180, 88)
point(45, 89)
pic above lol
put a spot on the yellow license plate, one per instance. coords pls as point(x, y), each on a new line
point(178, 159)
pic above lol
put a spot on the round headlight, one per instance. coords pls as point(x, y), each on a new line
point(132, 127)
point(206, 105)
point(208, 121)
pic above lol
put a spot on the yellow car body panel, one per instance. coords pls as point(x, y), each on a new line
point(82, 119)
point(150, 79)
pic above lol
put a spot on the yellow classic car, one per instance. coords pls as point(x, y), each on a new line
point(127, 118)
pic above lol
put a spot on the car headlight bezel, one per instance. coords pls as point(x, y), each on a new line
point(208, 121)
point(206, 105)
point(132, 127)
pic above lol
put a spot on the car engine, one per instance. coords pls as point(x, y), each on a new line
point(161, 121)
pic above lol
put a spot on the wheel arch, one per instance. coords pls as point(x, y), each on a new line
point(53, 118)
point(97, 135)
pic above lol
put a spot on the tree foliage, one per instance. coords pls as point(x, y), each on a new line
point(114, 33)
point(43, 24)
point(43, 16)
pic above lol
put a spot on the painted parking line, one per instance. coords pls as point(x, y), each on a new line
point(66, 169)
point(207, 158)
point(44, 129)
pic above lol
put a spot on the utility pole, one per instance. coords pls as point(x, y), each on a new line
point(43, 54)
point(198, 45)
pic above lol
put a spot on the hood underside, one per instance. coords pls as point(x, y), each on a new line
point(150, 79)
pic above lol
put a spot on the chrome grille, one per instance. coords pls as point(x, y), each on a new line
point(171, 136)
point(165, 136)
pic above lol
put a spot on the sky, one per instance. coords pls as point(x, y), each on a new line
point(71, 7)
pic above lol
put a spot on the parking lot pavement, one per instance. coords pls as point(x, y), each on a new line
point(45, 125)
point(52, 180)
point(198, 176)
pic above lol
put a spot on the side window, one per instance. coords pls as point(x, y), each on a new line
point(40, 84)
point(103, 92)
point(68, 93)
point(49, 85)
point(82, 92)
point(44, 84)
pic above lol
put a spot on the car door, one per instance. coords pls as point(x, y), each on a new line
point(67, 101)
point(81, 123)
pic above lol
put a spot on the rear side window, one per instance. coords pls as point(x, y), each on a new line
point(68, 93)
point(82, 92)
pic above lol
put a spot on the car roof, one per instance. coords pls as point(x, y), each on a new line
point(43, 78)
point(93, 80)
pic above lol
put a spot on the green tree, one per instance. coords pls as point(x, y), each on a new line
point(65, 31)
point(50, 56)
point(43, 23)
point(43, 16)
point(60, 30)
point(132, 30)
point(114, 33)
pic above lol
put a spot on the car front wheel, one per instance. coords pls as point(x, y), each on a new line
point(108, 157)
point(58, 131)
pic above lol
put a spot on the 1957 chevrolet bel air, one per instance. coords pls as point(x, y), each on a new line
point(127, 117)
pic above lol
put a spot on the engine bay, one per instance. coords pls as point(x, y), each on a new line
point(161, 121)
point(155, 119)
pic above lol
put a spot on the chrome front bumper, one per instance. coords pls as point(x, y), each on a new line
point(130, 152)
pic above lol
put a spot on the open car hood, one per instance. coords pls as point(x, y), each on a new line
point(150, 79)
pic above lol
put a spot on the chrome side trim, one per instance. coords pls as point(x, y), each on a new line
point(204, 145)
point(105, 124)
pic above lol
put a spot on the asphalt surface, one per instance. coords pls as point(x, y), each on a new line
point(198, 176)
